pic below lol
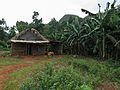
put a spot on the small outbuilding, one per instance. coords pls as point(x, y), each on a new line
point(31, 43)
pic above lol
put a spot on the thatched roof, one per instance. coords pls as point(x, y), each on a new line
point(40, 38)
point(25, 41)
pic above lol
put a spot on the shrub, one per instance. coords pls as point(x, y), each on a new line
point(79, 64)
point(79, 75)
point(84, 87)
point(108, 70)
point(65, 78)
point(3, 44)
point(4, 49)
point(115, 75)
point(4, 53)
point(48, 69)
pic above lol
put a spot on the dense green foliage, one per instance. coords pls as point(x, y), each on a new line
point(95, 35)
point(77, 74)
point(104, 32)
point(3, 34)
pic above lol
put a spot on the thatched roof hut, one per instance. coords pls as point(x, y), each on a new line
point(30, 42)
point(28, 36)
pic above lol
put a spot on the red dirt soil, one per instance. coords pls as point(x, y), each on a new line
point(109, 86)
point(6, 70)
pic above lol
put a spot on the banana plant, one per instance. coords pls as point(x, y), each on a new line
point(102, 24)
point(74, 30)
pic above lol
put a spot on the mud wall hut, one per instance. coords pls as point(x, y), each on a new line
point(31, 43)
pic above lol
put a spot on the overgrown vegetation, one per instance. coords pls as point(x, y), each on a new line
point(17, 77)
point(80, 74)
point(94, 35)
point(4, 53)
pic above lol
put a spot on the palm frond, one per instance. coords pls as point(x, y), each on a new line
point(87, 12)
point(117, 43)
point(110, 37)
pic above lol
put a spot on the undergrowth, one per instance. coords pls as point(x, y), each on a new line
point(4, 53)
point(50, 79)
point(18, 77)
point(78, 74)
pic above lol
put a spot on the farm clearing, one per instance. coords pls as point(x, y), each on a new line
point(9, 65)
point(75, 73)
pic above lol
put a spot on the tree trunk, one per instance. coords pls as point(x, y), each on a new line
point(103, 49)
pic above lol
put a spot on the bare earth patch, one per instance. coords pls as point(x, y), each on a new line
point(6, 70)
point(109, 86)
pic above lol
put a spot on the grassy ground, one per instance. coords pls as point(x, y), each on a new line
point(15, 60)
point(4, 61)
point(9, 61)
point(11, 83)
point(74, 73)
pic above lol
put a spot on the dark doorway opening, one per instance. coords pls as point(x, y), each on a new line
point(29, 49)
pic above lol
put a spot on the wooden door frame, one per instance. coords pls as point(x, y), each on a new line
point(29, 49)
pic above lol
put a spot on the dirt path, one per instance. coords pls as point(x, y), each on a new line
point(6, 70)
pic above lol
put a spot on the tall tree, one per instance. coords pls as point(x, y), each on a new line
point(21, 25)
point(12, 32)
point(37, 23)
point(3, 34)
point(53, 29)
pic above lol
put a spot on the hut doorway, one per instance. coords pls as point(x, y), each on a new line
point(29, 49)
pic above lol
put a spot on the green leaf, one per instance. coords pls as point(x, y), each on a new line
point(74, 28)
point(111, 38)
point(117, 43)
